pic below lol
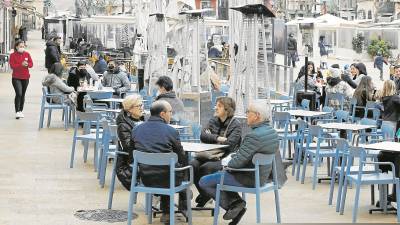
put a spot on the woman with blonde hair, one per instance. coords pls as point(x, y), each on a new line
point(130, 116)
point(390, 115)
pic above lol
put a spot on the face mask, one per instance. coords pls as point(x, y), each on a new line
point(82, 71)
point(21, 50)
point(111, 67)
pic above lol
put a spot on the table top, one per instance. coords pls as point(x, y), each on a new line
point(200, 147)
point(94, 89)
point(306, 113)
point(384, 146)
point(178, 126)
point(346, 126)
point(119, 100)
point(108, 110)
point(279, 101)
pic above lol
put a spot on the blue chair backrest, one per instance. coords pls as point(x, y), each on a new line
point(388, 131)
point(327, 109)
point(376, 113)
point(281, 120)
point(342, 116)
point(354, 153)
point(155, 159)
point(100, 95)
point(305, 104)
point(366, 121)
point(87, 116)
point(224, 88)
point(196, 130)
point(315, 131)
point(335, 96)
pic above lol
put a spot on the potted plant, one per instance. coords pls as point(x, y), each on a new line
point(358, 42)
point(379, 45)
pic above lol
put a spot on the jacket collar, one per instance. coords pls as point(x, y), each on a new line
point(156, 119)
point(264, 123)
point(170, 94)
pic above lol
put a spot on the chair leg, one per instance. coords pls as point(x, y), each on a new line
point(398, 198)
point(258, 207)
point(277, 205)
point(112, 184)
point(132, 199)
point(41, 117)
point(304, 168)
point(356, 199)
point(96, 156)
point(340, 190)
point(85, 150)
point(244, 196)
point(343, 201)
point(216, 207)
point(148, 208)
point(66, 119)
point(332, 187)
point(316, 165)
point(189, 206)
point(296, 153)
point(299, 163)
point(71, 164)
point(103, 166)
point(171, 209)
point(49, 118)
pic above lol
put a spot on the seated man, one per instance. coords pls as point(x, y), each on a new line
point(116, 79)
point(77, 75)
point(261, 139)
point(156, 136)
point(166, 92)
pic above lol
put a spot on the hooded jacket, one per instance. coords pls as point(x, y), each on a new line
point(56, 86)
point(175, 102)
point(52, 54)
point(118, 80)
point(336, 85)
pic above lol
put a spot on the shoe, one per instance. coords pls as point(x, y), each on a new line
point(237, 219)
point(201, 201)
point(165, 218)
point(235, 210)
point(21, 115)
point(17, 115)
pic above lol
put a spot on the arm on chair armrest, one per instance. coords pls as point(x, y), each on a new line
point(190, 172)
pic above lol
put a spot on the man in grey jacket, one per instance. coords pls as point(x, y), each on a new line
point(166, 93)
point(116, 79)
point(261, 139)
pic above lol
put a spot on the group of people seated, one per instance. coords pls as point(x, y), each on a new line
point(156, 136)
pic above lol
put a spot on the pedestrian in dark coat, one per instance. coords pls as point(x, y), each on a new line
point(53, 53)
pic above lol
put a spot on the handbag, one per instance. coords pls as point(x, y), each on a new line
point(213, 155)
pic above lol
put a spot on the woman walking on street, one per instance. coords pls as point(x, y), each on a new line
point(20, 62)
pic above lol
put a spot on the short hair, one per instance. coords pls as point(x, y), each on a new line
point(165, 82)
point(81, 63)
point(57, 69)
point(158, 107)
point(261, 107)
point(56, 38)
point(130, 101)
point(229, 105)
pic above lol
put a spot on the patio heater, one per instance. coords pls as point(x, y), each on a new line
point(251, 63)
point(195, 64)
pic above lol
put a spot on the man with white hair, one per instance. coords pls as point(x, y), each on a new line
point(261, 139)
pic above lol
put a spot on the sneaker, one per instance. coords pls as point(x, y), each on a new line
point(17, 116)
point(21, 115)
point(234, 210)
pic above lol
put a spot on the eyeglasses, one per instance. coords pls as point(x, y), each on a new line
point(138, 106)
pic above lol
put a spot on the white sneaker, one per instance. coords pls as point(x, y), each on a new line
point(17, 116)
point(21, 115)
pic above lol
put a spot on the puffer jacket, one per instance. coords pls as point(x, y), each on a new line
point(52, 54)
point(217, 129)
point(57, 86)
point(119, 80)
point(177, 105)
point(261, 139)
point(391, 108)
point(125, 126)
point(311, 85)
point(336, 85)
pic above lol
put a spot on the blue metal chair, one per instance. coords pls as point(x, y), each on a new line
point(353, 107)
point(108, 150)
point(336, 98)
point(258, 160)
point(316, 153)
point(305, 104)
point(159, 159)
point(298, 147)
point(281, 121)
point(360, 178)
point(88, 119)
point(113, 175)
point(47, 103)
point(99, 95)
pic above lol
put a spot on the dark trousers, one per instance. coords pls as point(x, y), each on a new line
point(20, 87)
point(203, 168)
point(393, 157)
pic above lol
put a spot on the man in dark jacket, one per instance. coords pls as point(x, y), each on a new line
point(261, 139)
point(378, 63)
point(156, 136)
point(397, 78)
point(101, 65)
point(166, 93)
point(53, 52)
point(292, 50)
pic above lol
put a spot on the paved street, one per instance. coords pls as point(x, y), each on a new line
point(37, 187)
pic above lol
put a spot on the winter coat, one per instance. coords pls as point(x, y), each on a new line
point(358, 78)
point(118, 80)
point(336, 85)
point(311, 85)
point(155, 136)
point(292, 44)
point(322, 48)
point(349, 81)
point(75, 76)
point(57, 86)
point(177, 105)
point(19, 71)
point(53, 54)
point(217, 129)
point(100, 66)
point(261, 139)
point(391, 108)
point(362, 101)
point(125, 126)
point(378, 62)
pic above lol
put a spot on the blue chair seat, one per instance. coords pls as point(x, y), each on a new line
point(265, 188)
point(162, 191)
point(323, 145)
point(91, 136)
point(354, 169)
point(374, 178)
point(328, 153)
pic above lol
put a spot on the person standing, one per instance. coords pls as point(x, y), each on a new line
point(323, 52)
point(20, 62)
point(53, 52)
point(292, 50)
point(378, 63)
point(166, 92)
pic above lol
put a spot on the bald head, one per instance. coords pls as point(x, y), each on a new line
point(162, 109)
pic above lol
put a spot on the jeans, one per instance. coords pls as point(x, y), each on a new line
point(292, 58)
point(203, 168)
point(209, 185)
point(20, 87)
